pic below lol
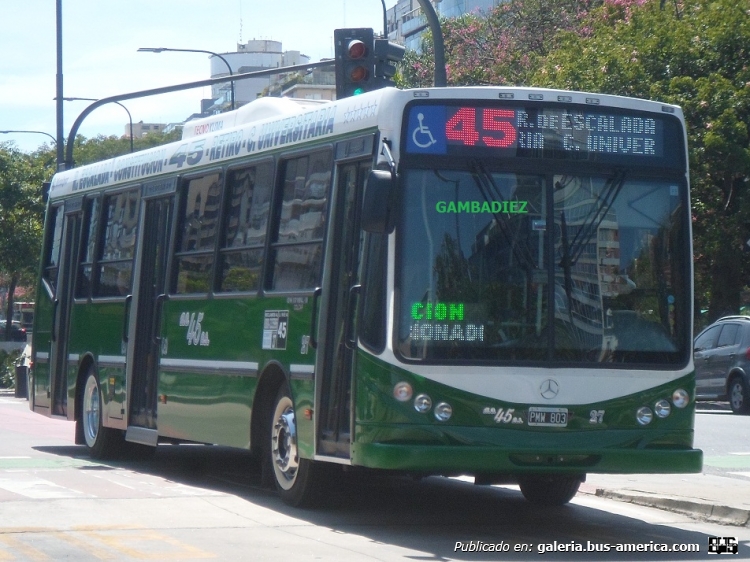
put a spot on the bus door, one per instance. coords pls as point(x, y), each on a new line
point(144, 336)
point(54, 391)
point(334, 386)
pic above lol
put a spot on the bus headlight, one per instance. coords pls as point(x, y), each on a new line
point(422, 403)
point(402, 391)
point(680, 398)
point(644, 415)
point(662, 409)
point(443, 411)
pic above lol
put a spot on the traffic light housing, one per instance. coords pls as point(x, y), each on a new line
point(355, 61)
point(387, 55)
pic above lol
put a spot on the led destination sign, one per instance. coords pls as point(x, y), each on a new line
point(566, 132)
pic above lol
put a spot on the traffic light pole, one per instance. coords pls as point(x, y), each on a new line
point(69, 162)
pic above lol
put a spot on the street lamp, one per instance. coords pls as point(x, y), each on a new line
point(130, 117)
point(162, 49)
point(31, 132)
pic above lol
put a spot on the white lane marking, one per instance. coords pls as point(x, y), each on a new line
point(39, 489)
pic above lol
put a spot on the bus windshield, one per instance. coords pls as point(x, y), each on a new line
point(527, 267)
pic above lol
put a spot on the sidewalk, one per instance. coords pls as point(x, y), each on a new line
point(707, 497)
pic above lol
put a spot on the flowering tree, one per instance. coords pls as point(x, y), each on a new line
point(499, 47)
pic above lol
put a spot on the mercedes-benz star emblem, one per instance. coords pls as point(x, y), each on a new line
point(549, 389)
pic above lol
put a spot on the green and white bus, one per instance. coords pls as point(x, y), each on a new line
point(493, 282)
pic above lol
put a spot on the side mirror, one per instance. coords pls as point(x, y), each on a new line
point(377, 203)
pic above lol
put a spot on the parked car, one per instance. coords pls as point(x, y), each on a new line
point(17, 332)
point(722, 363)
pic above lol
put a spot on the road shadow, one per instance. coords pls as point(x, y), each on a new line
point(427, 516)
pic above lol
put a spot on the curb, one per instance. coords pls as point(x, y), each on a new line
point(719, 514)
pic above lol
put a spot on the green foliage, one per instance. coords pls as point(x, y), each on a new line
point(88, 151)
point(694, 54)
point(8, 362)
point(21, 212)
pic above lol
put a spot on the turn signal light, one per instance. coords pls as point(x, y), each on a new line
point(402, 391)
point(680, 398)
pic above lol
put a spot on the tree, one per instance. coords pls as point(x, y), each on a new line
point(21, 218)
point(88, 151)
point(695, 54)
point(499, 47)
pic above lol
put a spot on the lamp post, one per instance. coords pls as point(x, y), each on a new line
point(130, 117)
point(162, 49)
point(54, 140)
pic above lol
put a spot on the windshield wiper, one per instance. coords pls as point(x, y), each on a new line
point(487, 186)
point(595, 217)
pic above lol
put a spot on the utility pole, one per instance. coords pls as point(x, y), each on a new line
point(59, 95)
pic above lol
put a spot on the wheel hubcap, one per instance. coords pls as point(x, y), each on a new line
point(284, 445)
point(737, 395)
point(91, 412)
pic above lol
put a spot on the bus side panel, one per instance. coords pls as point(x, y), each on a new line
point(214, 356)
point(199, 399)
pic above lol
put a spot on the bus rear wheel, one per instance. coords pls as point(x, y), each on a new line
point(102, 442)
point(297, 480)
point(549, 490)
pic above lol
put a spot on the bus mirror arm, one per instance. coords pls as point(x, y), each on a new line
point(157, 318)
point(378, 200)
point(386, 151)
point(126, 317)
point(53, 333)
point(350, 329)
point(314, 318)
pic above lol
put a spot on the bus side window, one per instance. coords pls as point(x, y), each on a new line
point(115, 263)
point(246, 218)
point(197, 233)
point(52, 258)
point(297, 246)
point(88, 248)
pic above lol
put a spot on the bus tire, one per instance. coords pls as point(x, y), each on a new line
point(297, 480)
point(549, 490)
point(102, 442)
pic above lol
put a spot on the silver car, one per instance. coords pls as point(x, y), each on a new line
point(722, 363)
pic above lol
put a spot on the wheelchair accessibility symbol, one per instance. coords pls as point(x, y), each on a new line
point(422, 136)
point(426, 130)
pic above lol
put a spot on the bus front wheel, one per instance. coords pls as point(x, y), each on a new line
point(297, 479)
point(549, 490)
point(102, 442)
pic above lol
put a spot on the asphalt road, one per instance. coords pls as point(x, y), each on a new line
point(206, 503)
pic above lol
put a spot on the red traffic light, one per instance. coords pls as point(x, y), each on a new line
point(355, 63)
point(356, 49)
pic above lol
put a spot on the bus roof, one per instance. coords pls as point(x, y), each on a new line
point(257, 110)
point(272, 123)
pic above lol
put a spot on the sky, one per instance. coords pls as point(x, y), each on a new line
point(100, 58)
